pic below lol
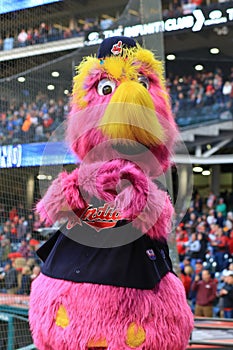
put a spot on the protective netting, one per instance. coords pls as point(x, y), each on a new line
point(39, 49)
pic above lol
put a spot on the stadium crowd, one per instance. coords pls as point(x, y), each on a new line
point(204, 94)
point(204, 239)
point(205, 246)
point(194, 97)
point(31, 122)
point(44, 32)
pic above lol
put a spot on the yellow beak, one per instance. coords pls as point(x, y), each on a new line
point(131, 116)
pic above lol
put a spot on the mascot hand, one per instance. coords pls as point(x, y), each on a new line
point(130, 190)
point(124, 183)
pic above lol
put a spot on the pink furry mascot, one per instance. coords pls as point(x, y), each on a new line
point(107, 280)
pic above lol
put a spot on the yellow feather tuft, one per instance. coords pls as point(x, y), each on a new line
point(150, 62)
point(119, 68)
point(83, 70)
point(114, 67)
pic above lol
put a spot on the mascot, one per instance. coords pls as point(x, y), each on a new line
point(107, 280)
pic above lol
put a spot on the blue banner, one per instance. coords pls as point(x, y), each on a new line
point(36, 154)
point(15, 5)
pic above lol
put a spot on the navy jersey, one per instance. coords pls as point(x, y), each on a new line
point(141, 263)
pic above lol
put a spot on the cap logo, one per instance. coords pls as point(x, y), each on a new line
point(117, 48)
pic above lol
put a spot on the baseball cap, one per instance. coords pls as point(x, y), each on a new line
point(199, 261)
point(229, 273)
point(114, 46)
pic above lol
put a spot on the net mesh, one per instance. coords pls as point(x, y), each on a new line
point(39, 49)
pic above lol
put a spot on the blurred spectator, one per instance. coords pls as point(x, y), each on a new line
point(220, 219)
point(13, 213)
point(35, 272)
point(221, 248)
point(30, 36)
point(211, 200)
point(211, 219)
point(227, 294)
point(5, 249)
point(194, 247)
point(221, 207)
point(21, 228)
point(193, 293)
point(191, 221)
point(229, 221)
point(230, 243)
point(25, 281)
point(43, 32)
point(30, 222)
point(24, 249)
point(186, 278)
point(226, 90)
point(36, 36)
point(197, 203)
point(202, 238)
point(8, 43)
point(22, 38)
point(181, 240)
point(9, 277)
point(185, 262)
point(206, 294)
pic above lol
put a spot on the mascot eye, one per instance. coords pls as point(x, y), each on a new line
point(106, 87)
point(144, 81)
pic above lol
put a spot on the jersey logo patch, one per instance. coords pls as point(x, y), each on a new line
point(98, 218)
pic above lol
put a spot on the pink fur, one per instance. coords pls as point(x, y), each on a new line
point(82, 132)
point(97, 311)
point(62, 196)
point(136, 199)
point(83, 135)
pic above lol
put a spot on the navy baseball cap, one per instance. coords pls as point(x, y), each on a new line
point(114, 46)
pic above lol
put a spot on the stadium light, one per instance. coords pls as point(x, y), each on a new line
point(50, 87)
point(41, 177)
point(214, 50)
point(171, 57)
point(206, 172)
point(21, 79)
point(199, 67)
point(55, 74)
point(66, 92)
point(44, 177)
point(197, 169)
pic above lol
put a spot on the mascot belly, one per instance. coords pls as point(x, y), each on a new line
point(107, 280)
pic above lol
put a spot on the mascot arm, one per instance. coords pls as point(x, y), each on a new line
point(61, 198)
point(138, 198)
